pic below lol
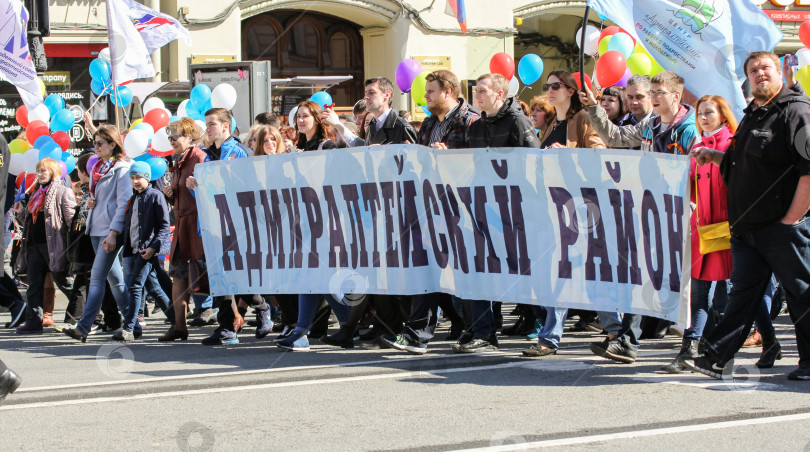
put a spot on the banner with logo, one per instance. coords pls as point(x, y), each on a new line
point(604, 230)
point(16, 64)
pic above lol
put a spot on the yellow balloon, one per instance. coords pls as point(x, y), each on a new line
point(803, 77)
point(656, 69)
point(640, 49)
point(41, 85)
point(639, 64)
point(135, 123)
point(18, 146)
point(603, 45)
point(418, 89)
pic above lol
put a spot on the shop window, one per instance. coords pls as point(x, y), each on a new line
point(340, 50)
point(262, 40)
point(304, 45)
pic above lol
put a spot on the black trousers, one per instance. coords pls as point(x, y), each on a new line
point(289, 308)
point(38, 269)
point(392, 311)
point(422, 322)
point(9, 293)
point(225, 315)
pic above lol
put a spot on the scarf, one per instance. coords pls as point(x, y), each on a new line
point(99, 170)
point(37, 202)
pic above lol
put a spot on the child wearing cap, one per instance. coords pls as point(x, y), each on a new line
point(146, 233)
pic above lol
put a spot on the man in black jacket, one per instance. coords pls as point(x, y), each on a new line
point(767, 172)
point(386, 127)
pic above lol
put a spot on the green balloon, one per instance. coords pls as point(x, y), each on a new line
point(418, 89)
point(18, 146)
point(639, 64)
point(603, 45)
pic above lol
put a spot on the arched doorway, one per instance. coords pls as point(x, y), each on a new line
point(307, 44)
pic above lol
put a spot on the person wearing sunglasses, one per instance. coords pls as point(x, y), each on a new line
point(570, 127)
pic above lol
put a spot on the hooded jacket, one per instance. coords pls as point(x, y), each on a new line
point(455, 137)
point(509, 127)
point(231, 148)
point(677, 138)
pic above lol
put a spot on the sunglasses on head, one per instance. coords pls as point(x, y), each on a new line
point(554, 86)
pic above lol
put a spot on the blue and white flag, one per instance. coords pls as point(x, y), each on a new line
point(704, 41)
point(16, 64)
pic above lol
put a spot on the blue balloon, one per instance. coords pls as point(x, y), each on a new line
point(321, 98)
point(192, 108)
point(99, 88)
point(623, 43)
point(197, 116)
point(206, 107)
point(602, 17)
point(42, 141)
point(200, 94)
point(54, 102)
point(144, 157)
point(425, 109)
point(174, 119)
point(158, 165)
point(100, 70)
point(150, 132)
point(70, 161)
point(123, 98)
point(63, 120)
point(530, 68)
point(51, 152)
point(233, 124)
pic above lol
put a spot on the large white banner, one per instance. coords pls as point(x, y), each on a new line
point(604, 230)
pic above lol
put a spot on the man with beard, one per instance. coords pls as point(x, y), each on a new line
point(767, 172)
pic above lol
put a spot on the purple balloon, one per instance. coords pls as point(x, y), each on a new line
point(407, 70)
point(625, 78)
point(64, 168)
point(91, 163)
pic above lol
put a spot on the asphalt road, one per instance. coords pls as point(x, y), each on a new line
point(104, 395)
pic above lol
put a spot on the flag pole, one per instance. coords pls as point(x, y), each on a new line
point(582, 46)
point(111, 42)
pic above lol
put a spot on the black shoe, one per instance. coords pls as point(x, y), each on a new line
point(17, 310)
point(706, 366)
point(284, 333)
point(75, 334)
point(537, 351)
point(9, 382)
point(515, 329)
point(342, 339)
point(614, 349)
point(467, 337)
point(456, 329)
point(477, 346)
point(206, 317)
point(800, 374)
point(771, 351)
point(688, 351)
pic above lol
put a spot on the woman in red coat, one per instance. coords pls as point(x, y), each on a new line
point(717, 125)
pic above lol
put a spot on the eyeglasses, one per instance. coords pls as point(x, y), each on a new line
point(659, 93)
point(99, 143)
point(553, 86)
point(173, 138)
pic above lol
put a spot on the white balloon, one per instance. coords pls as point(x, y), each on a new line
point(17, 164)
point(201, 125)
point(181, 109)
point(514, 86)
point(40, 113)
point(291, 117)
point(151, 104)
point(591, 39)
point(104, 54)
point(30, 160)
point(161, 141)
point(223, 96)
point(803, 55)
point(135, 143)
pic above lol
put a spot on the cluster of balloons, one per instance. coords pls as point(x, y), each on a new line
point(202, 99)
point(620, 56)
point(101, 83)
point(147, 140)
point(25, 156)
point(803, 56)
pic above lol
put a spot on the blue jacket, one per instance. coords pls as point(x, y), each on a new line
point(153, 222)
point(678, 138)
point(230, 149)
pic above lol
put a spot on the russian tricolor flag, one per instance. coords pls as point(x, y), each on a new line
point(456, 9)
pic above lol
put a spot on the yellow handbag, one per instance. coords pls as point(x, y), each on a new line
point(713, 237)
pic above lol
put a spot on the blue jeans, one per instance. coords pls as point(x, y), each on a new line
point(139, 275)
point(308, 306)
point(105, 266)
point(553, 327)
point(483, 320)
point(626, 328)
point(701, 307)
point(202, 302)
point(763, 320)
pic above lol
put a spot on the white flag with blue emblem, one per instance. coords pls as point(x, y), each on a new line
point(16, 64)
point(704, 41)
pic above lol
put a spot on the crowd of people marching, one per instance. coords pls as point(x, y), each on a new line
point(101, 238)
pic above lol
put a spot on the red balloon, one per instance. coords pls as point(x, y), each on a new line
point(157, 118)
point(22, 116)
point(62, 139)
point(20, 179)
point(35, 130)
point(804, 33)
point(608, 31)
point(156, 153)
point(501, 63)
point(610, 68)
point(588, 81)
point(29, 181)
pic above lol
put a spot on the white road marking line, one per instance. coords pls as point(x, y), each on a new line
point(642, 433)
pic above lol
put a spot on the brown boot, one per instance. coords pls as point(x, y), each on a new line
point(753, 340)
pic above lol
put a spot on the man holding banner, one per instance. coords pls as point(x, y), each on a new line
point(767, 172)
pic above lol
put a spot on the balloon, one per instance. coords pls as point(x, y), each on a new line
point(54, 103)
point(41, 85)
point(39, 113)
point(99, 88)
point(147, 128)
point(407, 70)
point(42, 141)
point(70, 161)
point(640, 49)
point(530, 68)
point(803, 55)
point(601, 17)
point(123, 97)
point(425, 109)
point(223, 96)
point(604, 45)
point(588, 81)
point(91, 162)
point(62, 139)
point(656, 69)
point(803, 76)
point(16, 166)
point(290, 117)
point(50, 151)
point(609, 31)
point(104, 54)
point(152, 102)
point(63, 167)
point(159, 166)
point(20, 179)
point(63, 121)
point(623, 82)
point(639, 64)
point(192, 108)
point(418, 88)
point(622, 43)
point(35, 130)
point(22, 116)
point(181, 109)
point(135, 123)
point(197, 117)
point(18, 146)
point(30, 179)
point(610, 68)
point(145, 156)
point(502, 63)
point(514, 86)
point(804, 33)
point(161, 146)
point(233, 124)
point(591, 39)
point(201, 94)
point(30, 160)
point(321, 98)
point(174, 119)
point(201, 123)
point(136, 143)
point(100, 70)
point(158, 118)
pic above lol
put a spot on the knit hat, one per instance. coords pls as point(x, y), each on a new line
point(141, 169)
